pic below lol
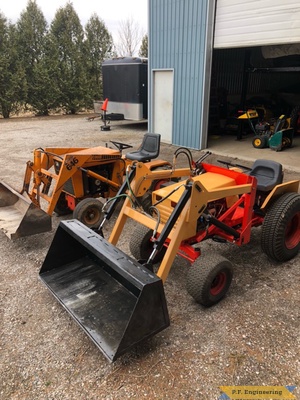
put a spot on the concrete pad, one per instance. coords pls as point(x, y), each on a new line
point(227, 145)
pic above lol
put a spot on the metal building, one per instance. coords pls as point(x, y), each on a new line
point(244, 38)
point(180, 42)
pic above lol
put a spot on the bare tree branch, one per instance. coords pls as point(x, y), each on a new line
point(130, 36)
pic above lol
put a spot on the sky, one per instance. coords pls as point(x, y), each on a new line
point(112, 12)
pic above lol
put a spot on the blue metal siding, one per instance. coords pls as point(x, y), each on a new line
point(178, 40)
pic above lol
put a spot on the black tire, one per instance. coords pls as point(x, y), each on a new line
point(209, 279)
point(141, 246)
point(260, 141)
point(61, 207)
point(89, 212)
point(280, 238)
point(295, 119)
point(146, 201)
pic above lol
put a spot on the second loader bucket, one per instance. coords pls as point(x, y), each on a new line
point(114, 299)
point(19, 216)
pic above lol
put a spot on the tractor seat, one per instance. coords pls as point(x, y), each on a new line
point(268, 174)
point(148, 150)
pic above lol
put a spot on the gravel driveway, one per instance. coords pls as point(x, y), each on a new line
point(249, 338)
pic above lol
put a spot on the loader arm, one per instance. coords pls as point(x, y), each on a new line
point(180, 211)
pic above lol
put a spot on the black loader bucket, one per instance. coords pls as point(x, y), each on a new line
point(115, 300)
point(19, 216)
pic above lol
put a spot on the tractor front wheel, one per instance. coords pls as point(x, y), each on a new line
point(141, 245)
point(89, 212)
point(280, 238)
point(61, 207)
point(209, 278)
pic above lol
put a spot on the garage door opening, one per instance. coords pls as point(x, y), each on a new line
point(264, 78)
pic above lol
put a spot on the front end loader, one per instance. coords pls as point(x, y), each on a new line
point(57, 180)
point(66, 180)
point(118, 300)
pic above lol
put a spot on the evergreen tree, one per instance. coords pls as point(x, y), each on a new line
point(144, 47)
point(12, 75)
point(46, 93)
point(98, 46)
point(32, 32)
point(66, 36)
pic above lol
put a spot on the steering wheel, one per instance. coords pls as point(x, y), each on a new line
point(121, 146)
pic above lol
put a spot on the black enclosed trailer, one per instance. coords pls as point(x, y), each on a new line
point(125, 85)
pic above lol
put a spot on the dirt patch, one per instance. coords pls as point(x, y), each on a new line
point(249, 338)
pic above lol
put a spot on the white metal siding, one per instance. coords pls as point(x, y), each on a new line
point(241, 23)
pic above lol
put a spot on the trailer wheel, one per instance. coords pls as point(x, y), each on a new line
point(89, 212)
point(260, 141)
point(141, 246)
point(280, 238)
point(61, 207)
point(209, 278)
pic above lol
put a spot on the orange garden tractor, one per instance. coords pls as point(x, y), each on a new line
point(66, 180)
point(117, 299)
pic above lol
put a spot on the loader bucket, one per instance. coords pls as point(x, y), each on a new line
point(19, 216)
point(114, 299)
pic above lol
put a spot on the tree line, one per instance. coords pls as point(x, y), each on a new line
point(58, 67)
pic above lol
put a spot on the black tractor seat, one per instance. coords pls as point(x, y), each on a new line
point(268, 174)
point(148, 150)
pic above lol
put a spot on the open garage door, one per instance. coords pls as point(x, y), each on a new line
point(241, 23)
point(256, 63)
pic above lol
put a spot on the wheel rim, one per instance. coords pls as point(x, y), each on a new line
point(91, 216)
point(257, 142)
point(292, 233)
point(218, 284)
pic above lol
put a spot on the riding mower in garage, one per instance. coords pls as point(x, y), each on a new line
point(66, 180)
point(119, 301)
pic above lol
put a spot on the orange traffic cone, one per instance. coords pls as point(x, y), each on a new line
point(104, 105)
point(104, 127)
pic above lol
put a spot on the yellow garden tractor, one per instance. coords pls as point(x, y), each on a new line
point(118, 299)
point(66, 180)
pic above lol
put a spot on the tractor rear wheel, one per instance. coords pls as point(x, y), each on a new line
point(146, 199)
point(141, 246)
point(280, 238)
point(209, 278)
point(89, 212)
